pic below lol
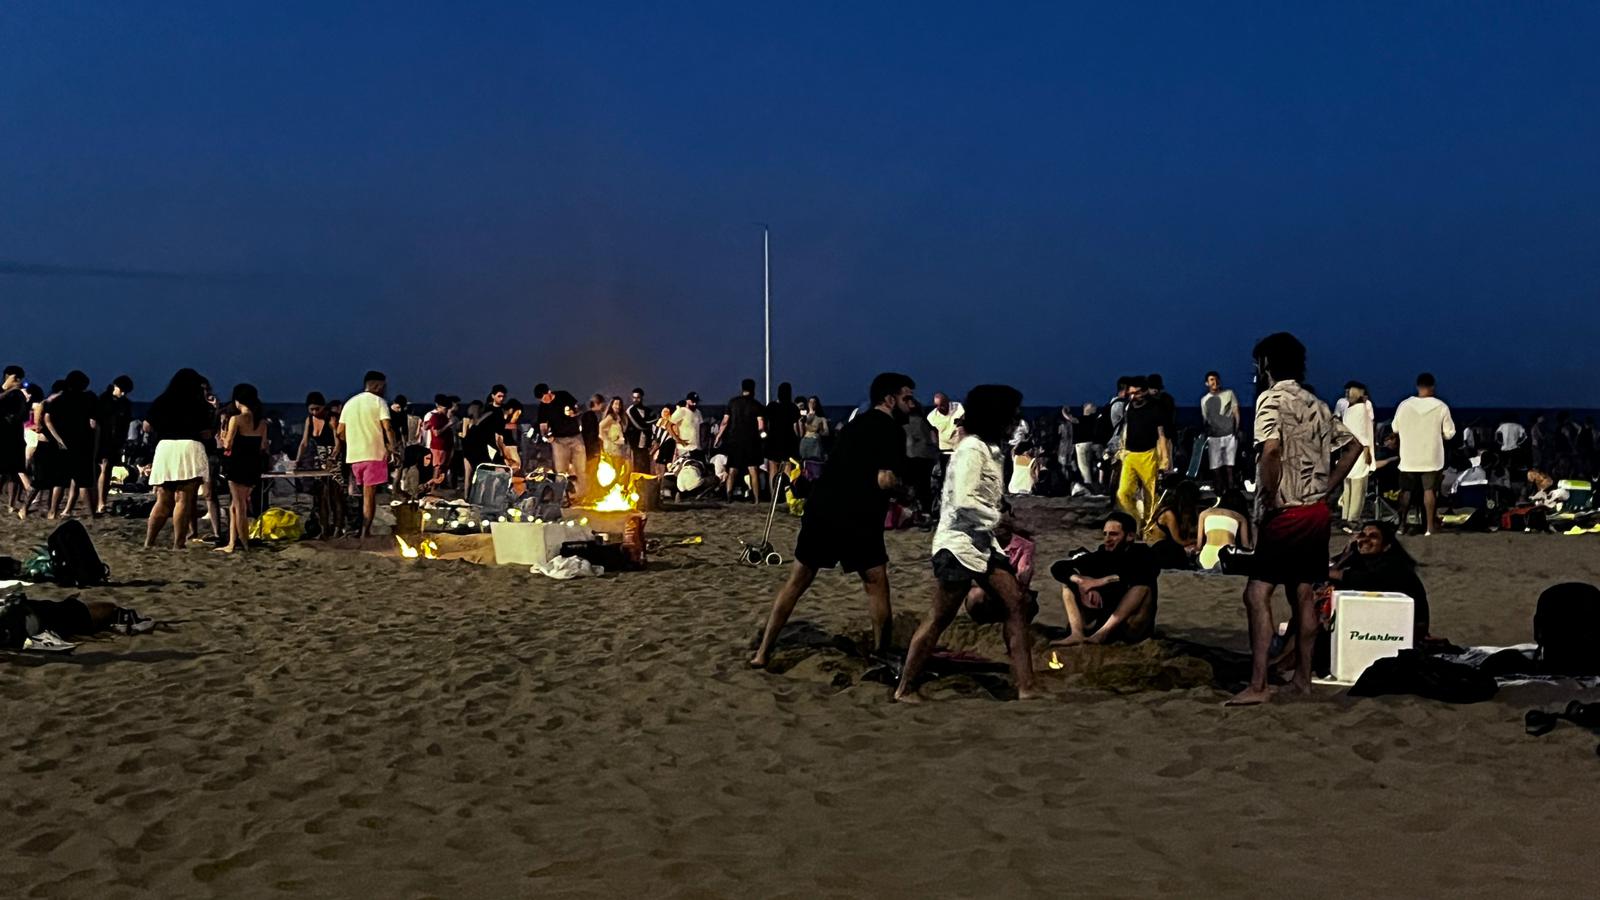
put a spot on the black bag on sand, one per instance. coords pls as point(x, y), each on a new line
point(1566, 626)
point(1413, 672)
point(73, 559)
point(9, 568)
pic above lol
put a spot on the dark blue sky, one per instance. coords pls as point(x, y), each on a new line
point(1047, 194)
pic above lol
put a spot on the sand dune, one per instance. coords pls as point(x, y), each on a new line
point(334, 723)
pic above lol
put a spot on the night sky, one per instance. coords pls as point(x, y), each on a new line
point(1046, 194)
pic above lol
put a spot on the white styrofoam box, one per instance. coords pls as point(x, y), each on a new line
point(531, 543)
point(1368, 626)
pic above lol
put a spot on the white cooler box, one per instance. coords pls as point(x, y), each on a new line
point(531, 543)
point(1368, 626)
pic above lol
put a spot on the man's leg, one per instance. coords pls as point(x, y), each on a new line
point(800, 578)
point(947, 597)
point(1430, 509)
point(1075, 618)
point(580, 462)
point(369, 508)
point(1018, 643)
point(1258, 612)
point(1306, 626)
point(876, 582)
point(102, 485)
point(1405, 506)
point(1128, 487)
point(755, 484)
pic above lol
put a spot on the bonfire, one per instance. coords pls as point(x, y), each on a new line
point(618, 498)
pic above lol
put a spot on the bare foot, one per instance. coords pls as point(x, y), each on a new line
point(758, 661)
point(1033, 694)
point(228, 549)
point(1296, 688)
point(1071, 640)
point(1248, 697)
point(908, 697)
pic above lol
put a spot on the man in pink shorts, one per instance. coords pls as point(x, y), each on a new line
point(369, 442)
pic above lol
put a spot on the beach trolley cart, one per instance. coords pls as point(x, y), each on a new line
point(761, 553)
point(1368, 626)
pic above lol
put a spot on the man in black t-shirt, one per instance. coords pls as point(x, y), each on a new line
point(114, 415)
point(558, 420)
point(843, 521)
point(636, 430)
point(743, 427)
point(1143, 440)
point(1110, 594)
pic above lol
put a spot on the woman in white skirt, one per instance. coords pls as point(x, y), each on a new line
point(181, 420)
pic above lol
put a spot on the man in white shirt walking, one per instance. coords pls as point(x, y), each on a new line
point(1423, 423)
point(369, 442)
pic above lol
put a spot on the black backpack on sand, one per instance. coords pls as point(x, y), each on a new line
point(73, 559)
point(1566, 626)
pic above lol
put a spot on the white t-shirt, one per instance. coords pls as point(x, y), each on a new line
point(363, 417)
point(945, 424)
point(1424, 424)
point(688, 422)
point(1510, 435)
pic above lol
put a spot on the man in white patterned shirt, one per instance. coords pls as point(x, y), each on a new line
point(1297, 436)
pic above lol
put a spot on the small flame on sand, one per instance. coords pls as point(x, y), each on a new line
point(1055, 661)
point(426, 549)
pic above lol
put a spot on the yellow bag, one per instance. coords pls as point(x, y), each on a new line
point(277, 524)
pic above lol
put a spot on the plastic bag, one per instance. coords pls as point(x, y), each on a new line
point(277, 524)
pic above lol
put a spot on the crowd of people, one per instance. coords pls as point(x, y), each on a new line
point(952, 465)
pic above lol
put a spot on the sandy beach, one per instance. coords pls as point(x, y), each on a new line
point(333, 723)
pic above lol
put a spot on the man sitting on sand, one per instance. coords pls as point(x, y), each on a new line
point(843, 521)
point(965, 549)
point(1110, 595)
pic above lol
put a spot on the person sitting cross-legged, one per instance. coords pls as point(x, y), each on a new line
point(1110, 595)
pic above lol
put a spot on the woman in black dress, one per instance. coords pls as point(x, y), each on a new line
point(244, 448)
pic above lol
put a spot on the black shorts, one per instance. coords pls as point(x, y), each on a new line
point(826, 542)
point(109, 453)
point(950, 570)
point(1417, 482)
point(742, 455)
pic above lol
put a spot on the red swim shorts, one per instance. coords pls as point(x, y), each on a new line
point(1292, 547)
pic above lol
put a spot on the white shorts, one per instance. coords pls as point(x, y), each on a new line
point(1222, 451)
point(179, 461)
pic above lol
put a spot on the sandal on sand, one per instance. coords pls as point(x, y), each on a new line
point(48, 642)
point(128, 621)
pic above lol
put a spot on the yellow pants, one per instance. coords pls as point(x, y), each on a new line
point(1138, 480)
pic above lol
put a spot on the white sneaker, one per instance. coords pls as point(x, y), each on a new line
point(47, 642)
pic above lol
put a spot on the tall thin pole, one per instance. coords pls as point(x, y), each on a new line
point(766, 290)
